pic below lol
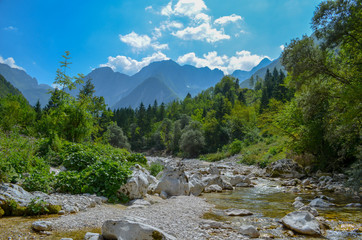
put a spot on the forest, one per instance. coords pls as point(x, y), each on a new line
point(310, 112)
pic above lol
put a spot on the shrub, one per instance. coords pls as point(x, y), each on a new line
point(192, 142)
point(105, 178)
point(115, 137)
point(37, 207)
point(69, 182)
point(155, 168)
point(137, 158)
point(235, 147)
point(80, 160)
point(40, 179)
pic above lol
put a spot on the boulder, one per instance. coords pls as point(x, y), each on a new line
point(302, 222)
point(285, 168)
point(216, 180)
point(173, 182)
point(235, 180)
point(197, 186)
point(313, 211)
point(250, 231)
point(42, 225)
point(320, 203)
point(237, 212)
point(298, 204)
point(213, 170)
point(137, 184)
point(93, 236)
point(213, 188)
point(9, 191)
point(131, 229)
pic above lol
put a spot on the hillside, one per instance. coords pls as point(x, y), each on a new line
point(27, 85)
point(7, 88)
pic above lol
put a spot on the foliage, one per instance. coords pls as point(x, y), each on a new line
point(115, 136)
point(155, 168)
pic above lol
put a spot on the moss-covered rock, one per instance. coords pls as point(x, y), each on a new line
point(54, 209)
point(2, 212)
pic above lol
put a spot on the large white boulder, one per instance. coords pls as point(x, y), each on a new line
point(173, 182)
point(302, 222)
point(197, 186)
point(138, 183)
point(42, 225)
point(131, 229)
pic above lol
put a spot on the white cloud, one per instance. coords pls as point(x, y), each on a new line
point(168, 25)
point(130, 66)
point(282, 47)
point(10, 28)
point(202, 17)
point(148, 8)
point(188, 8)
point(203, 32)
point(242, 60)
point(141, 42)
point(227, 19)
point(135, 40)
point(11, 62)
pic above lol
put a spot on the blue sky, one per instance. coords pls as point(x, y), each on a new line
point(129, 34)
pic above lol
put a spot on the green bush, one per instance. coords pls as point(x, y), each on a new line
point(39, 180)
point(69, 182)
point(137, 158)
point(155, 168)
point(235, 147)
point(78, 161)
point(37, 207)
point(105, 178)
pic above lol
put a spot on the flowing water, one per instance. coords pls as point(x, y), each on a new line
point(269, 202)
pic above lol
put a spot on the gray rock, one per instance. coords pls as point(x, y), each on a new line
point(208, 224)
point(285, 168)
point(238, 212)
point(140, 202)
point(250, 231)
point(66, 239)
point(235, 180)
point(302, 222)
point(93, 236)
point(313, 211)
point(42, 225)
point(197, 186)
point(163, 195)
point(298, 204)
point(131, 229)
point(213, 170)
point(174, 182)
point(14, 192)
point(354, 205)
point(320, 203)
point(213, 188)
point(298, 199)
point(137, 185)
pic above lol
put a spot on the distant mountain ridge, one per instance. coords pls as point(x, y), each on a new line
point(7, 88)
point(26, 84)
point(163, 81)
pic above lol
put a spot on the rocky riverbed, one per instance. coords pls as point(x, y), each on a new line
point(193, 199)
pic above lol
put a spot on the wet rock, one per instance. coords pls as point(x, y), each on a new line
point(42, 225)
point(250, 231)
point(174, 182)
point(213, 188)
point(302, 222)
point(313, 211)
point(93, 236)
point(238, 212)
point(298, 199)
point(354, 205)
point(298, 204)
point(235, 180)
point(320, 203)
point(292, 182)
point(285, 168)
point(131, 229)
point(137, 185)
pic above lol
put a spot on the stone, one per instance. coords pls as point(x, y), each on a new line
point(249, 230)
point(173, 182)
point(132, 229)
point(213, 188)
point(298, 204)
point(163, 195)
point(285, 168)
point(235, 180)
point(298, 199)
point(140, 202)
point(66, 239)
point(302, 222)
point(42, 225)
point(197, 186)
point(238, 212)
point(208, 224)
point(354, 205)
point(313, 211)
point(213, 170)
point(320, 203)
point(70, 209)
point(93, 236)
point(9, 191)
point(137, 185)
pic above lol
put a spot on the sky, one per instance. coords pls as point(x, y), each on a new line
point(127, 35)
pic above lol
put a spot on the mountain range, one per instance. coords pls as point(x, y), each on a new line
point(163, 81)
